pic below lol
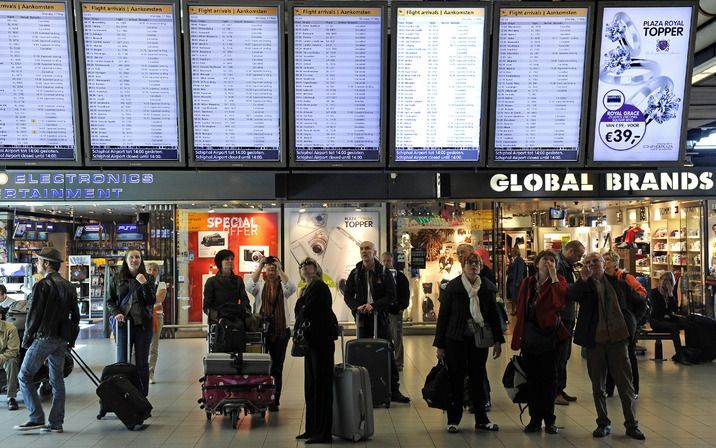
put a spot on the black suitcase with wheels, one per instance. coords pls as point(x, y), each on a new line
point(119, 394)
point(701, 339)
point(373, 354)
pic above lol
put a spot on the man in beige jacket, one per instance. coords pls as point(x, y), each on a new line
point(10, 360)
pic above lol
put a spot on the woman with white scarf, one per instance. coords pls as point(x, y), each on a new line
point(468, 325)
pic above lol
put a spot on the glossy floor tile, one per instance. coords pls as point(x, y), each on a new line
point(676, 408)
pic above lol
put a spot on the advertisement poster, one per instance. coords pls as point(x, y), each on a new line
point(333, 239)
point(242, 233)
point(641, 83)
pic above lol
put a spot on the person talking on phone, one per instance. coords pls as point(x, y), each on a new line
point(131, 299)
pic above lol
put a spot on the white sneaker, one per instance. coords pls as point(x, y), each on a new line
point(151, 380)
point(452, 429)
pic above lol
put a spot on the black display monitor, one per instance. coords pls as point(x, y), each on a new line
point(78, 232)
point(39, 118)
point(337, 83)
point(130, 68)
point(540, 83)
point(234, 53)
point(641, 83)
point(439, 80)
point(557, 213)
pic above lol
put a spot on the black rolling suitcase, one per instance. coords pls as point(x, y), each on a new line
point(701, 339)
point(373, 354)
point(118, 394)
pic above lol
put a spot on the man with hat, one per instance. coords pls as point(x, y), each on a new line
point(52, 310)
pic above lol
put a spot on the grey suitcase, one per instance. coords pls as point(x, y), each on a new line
point(352, 401)
point(237, 364)
point(373, 354)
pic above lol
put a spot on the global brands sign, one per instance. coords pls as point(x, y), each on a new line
point(610, 182)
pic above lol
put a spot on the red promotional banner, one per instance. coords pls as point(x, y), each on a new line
point(249, 235)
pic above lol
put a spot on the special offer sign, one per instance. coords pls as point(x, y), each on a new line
point(249, 235)
point(642, 83)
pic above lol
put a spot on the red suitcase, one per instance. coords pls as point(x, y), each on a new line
point(229, 394)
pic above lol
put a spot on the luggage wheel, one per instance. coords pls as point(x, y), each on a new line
point(208, 415)
point(101, 415)
point(234, 418)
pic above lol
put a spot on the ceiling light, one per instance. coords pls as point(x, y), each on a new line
point(226, 205)
point(302, 209)
point(211, 209)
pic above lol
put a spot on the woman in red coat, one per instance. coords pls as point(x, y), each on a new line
point(537, 330)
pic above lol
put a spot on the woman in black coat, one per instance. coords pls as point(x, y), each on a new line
point(224, 288)
point(663, 314)
point(131, 302)
point(462, 314)
point(314, 307)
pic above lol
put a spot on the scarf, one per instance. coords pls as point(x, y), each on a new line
point(611, 326)
point(472, 290)
point(272, 306)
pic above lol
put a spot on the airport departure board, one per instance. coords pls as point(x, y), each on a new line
point(438, 84)
point(131, 81)
point(235, 83)
point(540, 90)
point(337, 83)
point(37, 118)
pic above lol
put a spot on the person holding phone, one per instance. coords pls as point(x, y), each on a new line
point(131, 300)
point(271, 293)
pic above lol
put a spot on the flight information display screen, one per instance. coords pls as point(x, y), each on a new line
point(131, 73)
point(37, 119)
point(235, 83)
point(438, 83)
point(540, 84)
point(337, 83)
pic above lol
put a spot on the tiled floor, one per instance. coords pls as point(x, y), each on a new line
point(676, 408)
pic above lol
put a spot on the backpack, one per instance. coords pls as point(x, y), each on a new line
point(436, 391)
point(515, 382)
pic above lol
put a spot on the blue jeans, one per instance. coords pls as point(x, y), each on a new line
point(52, 349)
point(141, 341)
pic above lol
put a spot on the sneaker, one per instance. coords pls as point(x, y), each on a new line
point(50, 428)
point(559, 399)
point(635, 433)
point(602, 431)
point(551, 429)
point(12, 404)
point(28, 426)
point(151, 380)
point(452, 429)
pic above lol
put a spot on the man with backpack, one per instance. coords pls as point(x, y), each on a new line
point(52, 325)
point(395, 310)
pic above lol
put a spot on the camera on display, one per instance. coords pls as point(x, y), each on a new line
point(318, 243)
point(253, 255)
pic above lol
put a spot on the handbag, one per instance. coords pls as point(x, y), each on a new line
point(484, 337)
point(127, 297)
point(436, 391)
point(299, 348)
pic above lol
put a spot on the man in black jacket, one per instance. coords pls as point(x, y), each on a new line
point(402, 288)
point(52, 311)
point(607, 311)
point(573, 252)
point(370, 291)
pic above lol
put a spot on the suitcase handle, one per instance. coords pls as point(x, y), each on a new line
point(343, 345)
point(85, 368)
point(359, 320)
